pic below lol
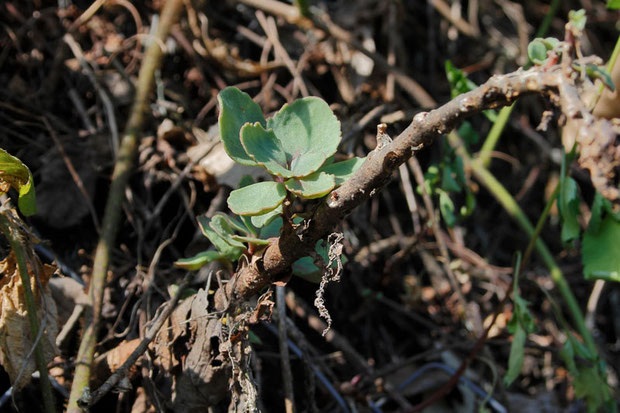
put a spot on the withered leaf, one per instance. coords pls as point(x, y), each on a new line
point(16, 340)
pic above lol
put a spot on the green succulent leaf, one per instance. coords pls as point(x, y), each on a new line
point(613, 4)
point(578, 19)
point(223, 228)
point(343, 170)
point(308, 132)
point(199, 260)
point(306, 268)
point(271, 229)
point(14, 173)
point(312, 186)
point(237, 109)
point(260, 221)
point(599, 251)
point(250, 240)
point(537, 51)
point(256, 199)
point(226, 249)
point(266, 149)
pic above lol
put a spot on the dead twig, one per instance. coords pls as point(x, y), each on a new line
point(124, 164)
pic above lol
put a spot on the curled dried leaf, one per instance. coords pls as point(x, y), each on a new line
point(16, 341)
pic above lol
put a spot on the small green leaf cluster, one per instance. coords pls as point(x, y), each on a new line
point(14, 174)
point(445, 178)
point(539, 50)
point(296, 146)
point(460, 83)
point(228, 234)
point(448, 176)
point(589, 374)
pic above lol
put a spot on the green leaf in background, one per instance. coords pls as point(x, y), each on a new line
point(446, 206)
point(237, 109)
point(306, 268)
point(613, 4)
point(568, 203)
point(257, 199)
point(312, 186)
point(308, 132)
point(343, 170)
point(431, 179)
point(589, 376)
point(599, 251)
point(515, 359)
point(596, 215)
point(468, 133)
point(448, 183)
point(520, 325)
point(460, 83)
point(222, 227)
point(13, 173)
point(226, 249)
point(199, 260)
point(266, 149)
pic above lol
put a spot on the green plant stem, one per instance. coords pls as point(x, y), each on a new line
point(614, 57)
point(494, 134)
point(510, 205)
point(122, 169)
point(14, 238)
point(539, 225)
point(502, 119)
point(610, 67)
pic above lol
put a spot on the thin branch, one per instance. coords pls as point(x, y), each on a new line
point(376, 173)
point(124, 164)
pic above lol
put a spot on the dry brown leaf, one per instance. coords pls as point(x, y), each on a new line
point(119, 354)
point(16, 341)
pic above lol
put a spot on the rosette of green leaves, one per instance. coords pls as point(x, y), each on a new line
point(296, 146)
point(229, 234)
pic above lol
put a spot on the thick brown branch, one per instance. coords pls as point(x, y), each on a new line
point(375, 173)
